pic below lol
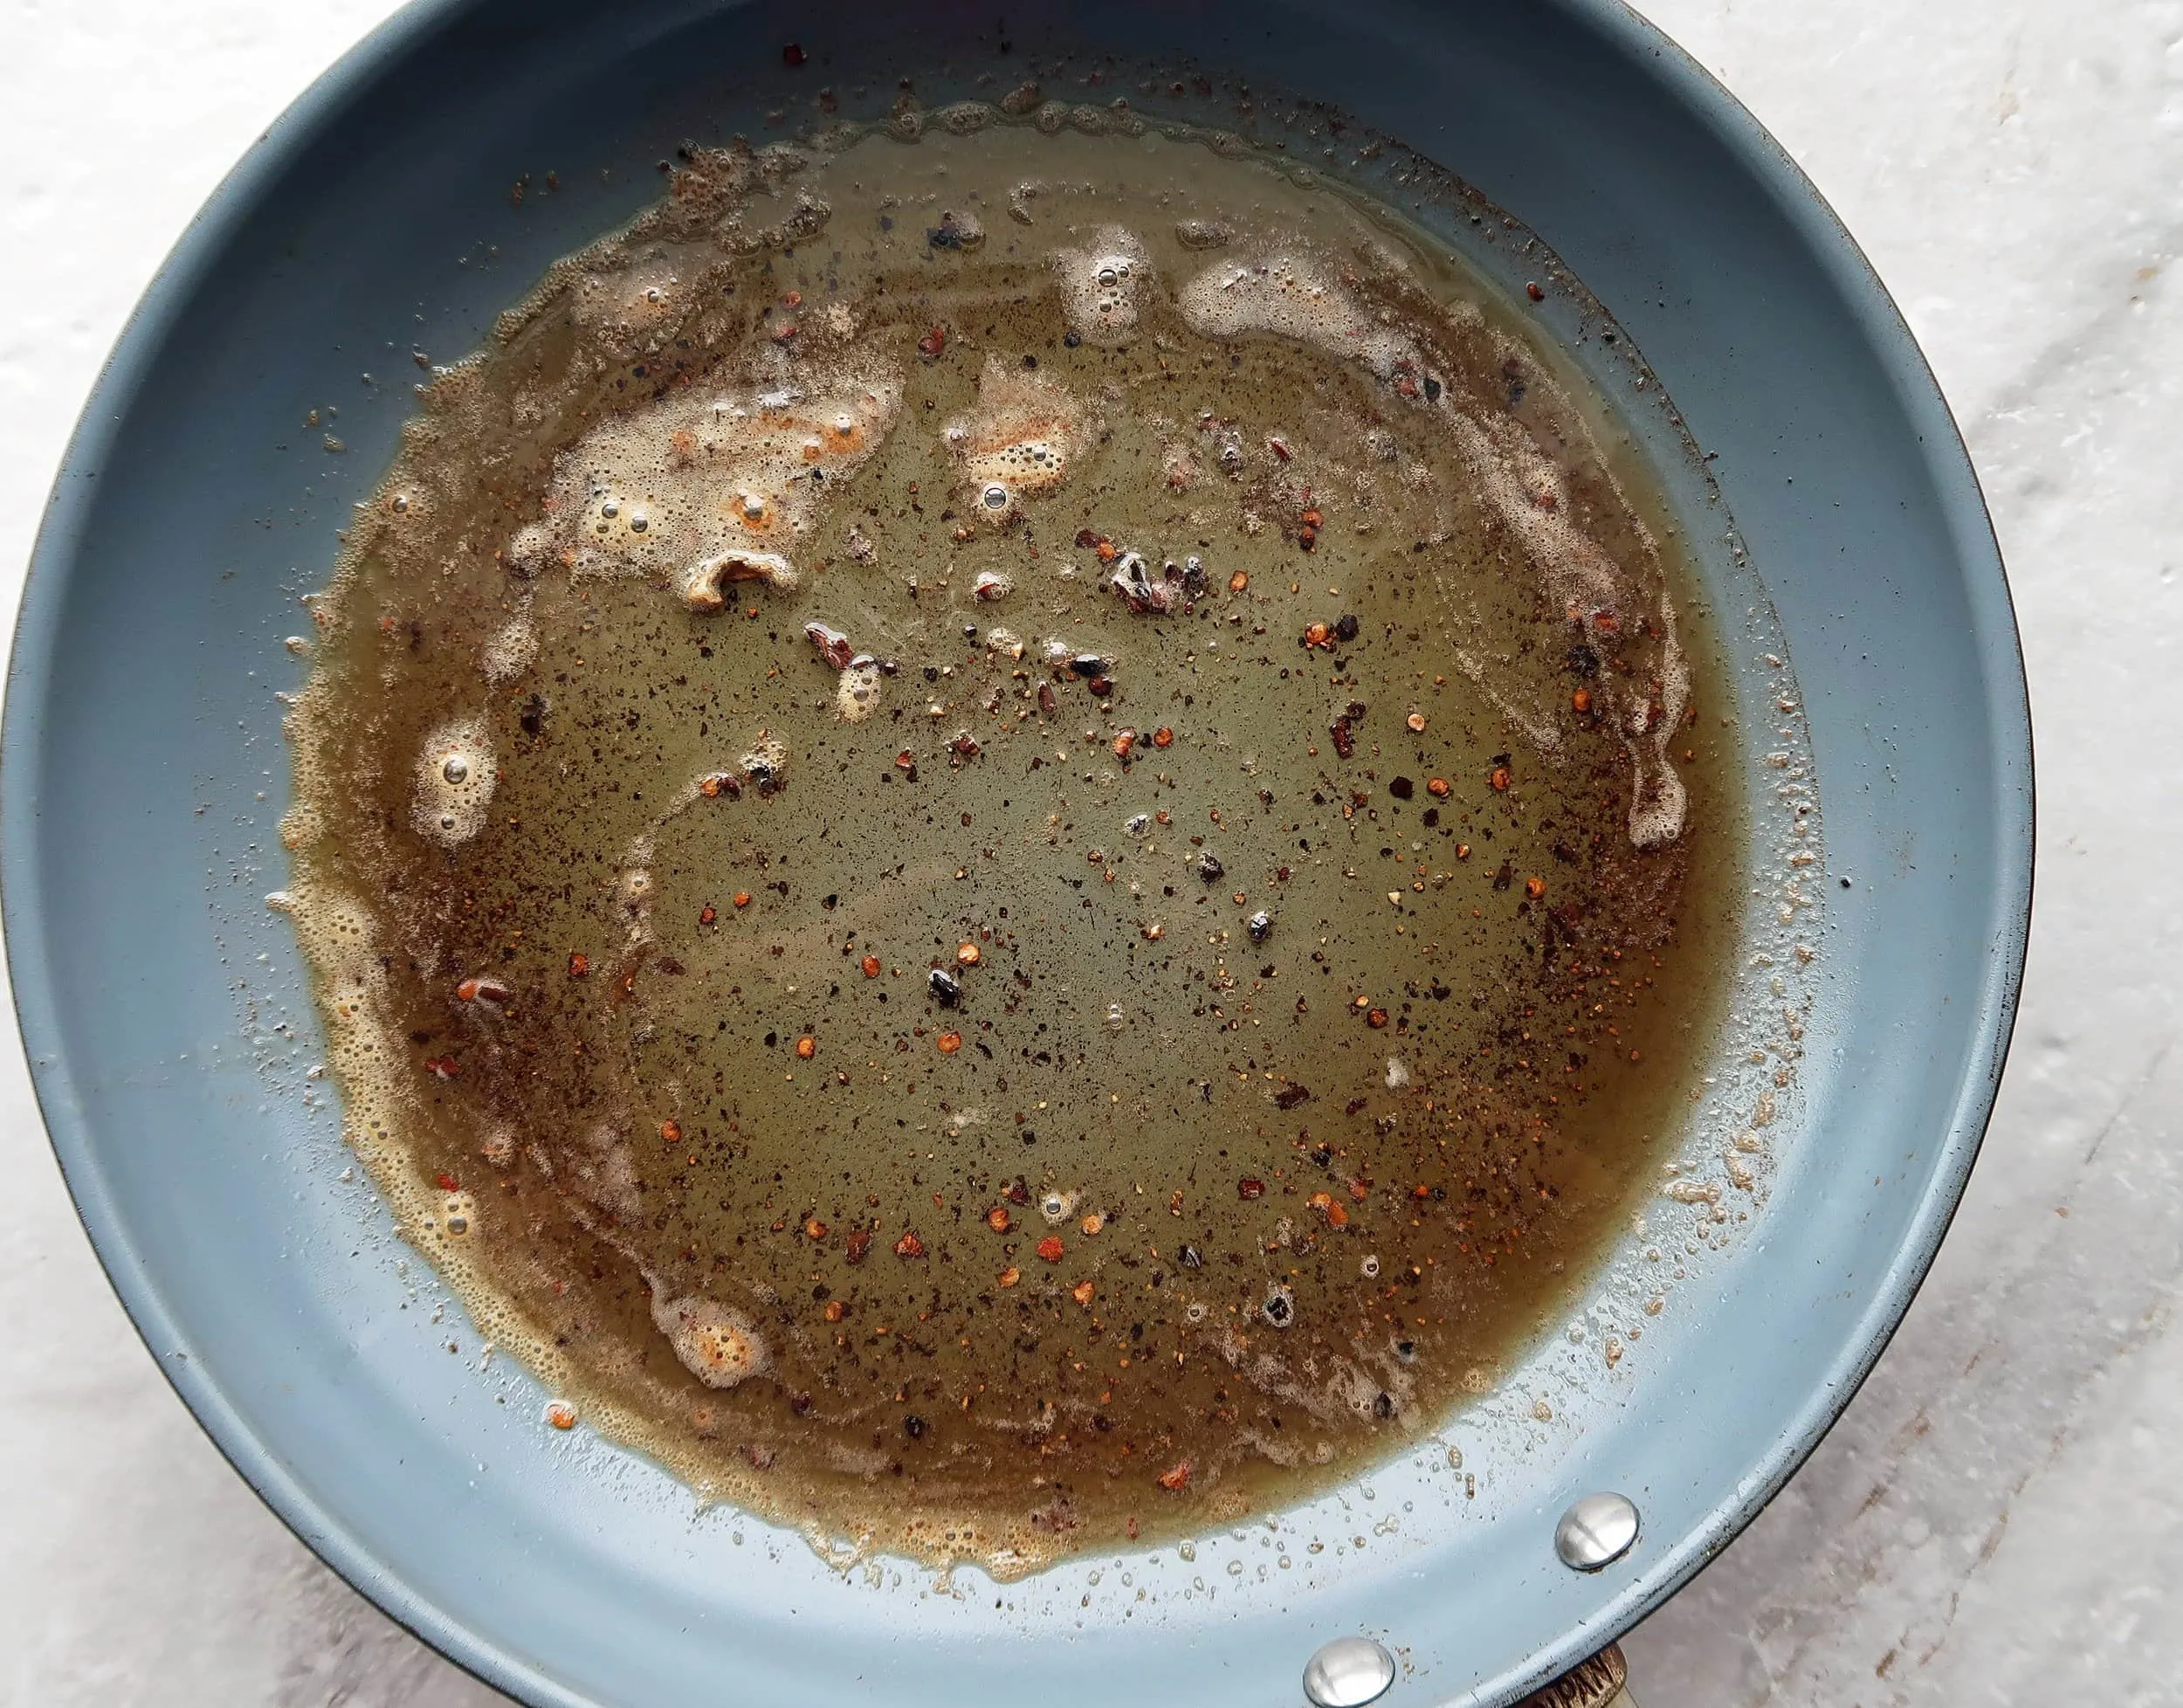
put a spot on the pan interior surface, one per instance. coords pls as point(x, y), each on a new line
point(173, 1041)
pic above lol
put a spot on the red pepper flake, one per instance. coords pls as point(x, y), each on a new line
point(1248, 1188)
point(1238, 581)
point(834, 1312)
point(1345, 737)
point(1534, 888)
point(1163, 737)
point(671, 1132)
point(832, 644)
point(719, 783)
point(1009, 1277)
point(442, 1067)
point(814, 1228)
point(707, 913)
point(793, 55)
point(1534, 292)
point(906, 760)
point(1376, 1018)
point(806, 1047)
point(932, 343)
point(579, 966)
point(1307, 538)
point(561, 1414)
point(447, 1182)
point(870, 966)
point(1580, 701)
point(1279, 448)
point(1123, 742)
point(1106, 550)
point(794, 300)
point(1051, 1248)
point(967, 954)
point(965, 746)
point(1326, 1205)
point(859, 1243)
point(1082, 1294)
point(742, 897)
point(997, 1218)
point(1176, 1480)
point(1437, 787)
point(1311, 519)
point(1500, 779)
point(949, 1042)
point(1606, 622)
point(484, 990)
point(909, 1246)
point(1318, 634)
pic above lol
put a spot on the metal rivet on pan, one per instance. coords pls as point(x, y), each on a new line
point(1348, 1673)
point(1595, 1532)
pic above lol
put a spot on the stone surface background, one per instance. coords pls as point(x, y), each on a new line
point(1999, 1518)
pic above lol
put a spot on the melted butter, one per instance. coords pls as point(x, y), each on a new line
point(1024, 818)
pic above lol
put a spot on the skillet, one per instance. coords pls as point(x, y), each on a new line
point(142, 772)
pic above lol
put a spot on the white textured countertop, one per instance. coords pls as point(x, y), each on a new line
point(1999, 1518)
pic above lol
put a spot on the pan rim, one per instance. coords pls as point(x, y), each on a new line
point(1646, 51)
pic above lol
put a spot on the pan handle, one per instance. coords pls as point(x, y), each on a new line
point(1602, 1682)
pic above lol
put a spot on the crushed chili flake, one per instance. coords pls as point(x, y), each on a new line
point(707, 913)
point(579, 966)
point(742, 897)
point(1414, 723)
point(1248, 1188)
point(1051, 1248)
point(909, 1246)
point(906, 760)
point(870, 965)
point(1082, 1292)
point(806, 1047)
point(949, 1042)
point(1238, 581)
point(1437, 787)
point(1580, 701)
point(442, 1067)
point(1376, 1018)
point(447, 1181)
point(561, 1415)
point(859, 1243)
point(1163, 737)
point(814, 1228)
point(967, 954)
point(1011, 1276)
point(1534, 888)
point(833, 1312)
point(1499, 779)
point(997, 1218)
point(1177, 1478)
point(671, 1132)
point(932, 343)
point(483, 990)
point(1534, 292)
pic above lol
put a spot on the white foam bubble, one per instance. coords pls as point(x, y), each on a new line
point(454, 781)
point(1103, 286)
point(510, 650)
point(718, 1344)
point(1292, 296)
